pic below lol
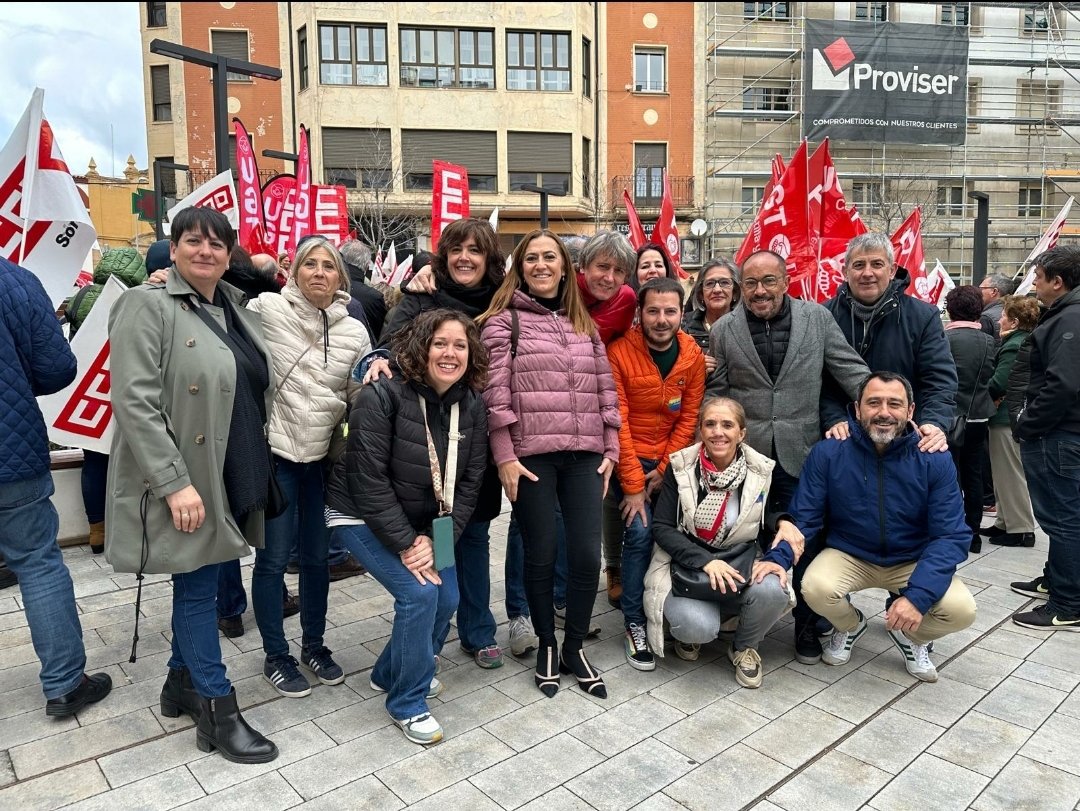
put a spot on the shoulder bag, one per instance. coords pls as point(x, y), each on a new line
point(959, 423)
point(695, 583)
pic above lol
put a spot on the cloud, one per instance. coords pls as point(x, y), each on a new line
point(88, 59)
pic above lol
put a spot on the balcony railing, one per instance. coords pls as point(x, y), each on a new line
point(648, 194)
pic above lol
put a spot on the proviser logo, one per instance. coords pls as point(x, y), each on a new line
point(831, 71)
point(834, 68)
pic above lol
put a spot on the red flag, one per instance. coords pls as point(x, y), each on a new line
point(301, 220)
point(777, 167)
point(637, 233)
point(907, 244)
point(252, 230)
point(782, 224)
point(665, 232)
point(449, 198)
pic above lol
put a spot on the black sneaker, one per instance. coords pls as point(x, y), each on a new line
point(1024, 539)
point(636, 647)
point(1043, 618)
point(232, 627)
point(285, 677)
point(322, 665)
point(807, 644)
point(1032, 588)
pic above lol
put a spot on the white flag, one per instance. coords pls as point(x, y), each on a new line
point(401, 271)
point(494, 219)
point(1047, 241)
point(218, 193)
point(44, 224)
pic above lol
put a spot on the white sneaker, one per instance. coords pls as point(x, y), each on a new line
point(422, 729)
point(687, 651)
point(916, 657)
point(433, 689)
point(836, 647)
point(522, 638)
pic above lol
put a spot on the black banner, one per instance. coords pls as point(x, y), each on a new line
point(885, 82)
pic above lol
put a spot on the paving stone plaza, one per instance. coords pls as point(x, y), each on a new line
point(1000, 729)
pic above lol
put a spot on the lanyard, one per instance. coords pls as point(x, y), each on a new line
point(444, 491)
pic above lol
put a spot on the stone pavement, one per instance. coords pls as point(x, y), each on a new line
point(1000, 730)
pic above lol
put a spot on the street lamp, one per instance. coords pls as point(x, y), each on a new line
point(159, 194)
point(981, 236)
point(220, 67)
point(544, 194)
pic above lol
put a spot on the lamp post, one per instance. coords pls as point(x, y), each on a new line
point(981, 236)
point(220, 67)
point(544, 194)
point(159, 196)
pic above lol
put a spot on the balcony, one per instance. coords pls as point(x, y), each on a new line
point(682, 192)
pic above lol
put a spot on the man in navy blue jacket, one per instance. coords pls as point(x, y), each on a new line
point(893, 519)
point(35, 359)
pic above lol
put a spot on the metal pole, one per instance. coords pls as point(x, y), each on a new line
point(159, 201)
point(544, 210)
point(219, 77)
point(982, 235)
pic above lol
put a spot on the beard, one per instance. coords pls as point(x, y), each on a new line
point(882, 432)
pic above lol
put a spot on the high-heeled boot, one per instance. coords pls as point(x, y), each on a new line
point(222, 727)
point(178, 695)
point(588, 678)
point(97, 537)
point(547, 669)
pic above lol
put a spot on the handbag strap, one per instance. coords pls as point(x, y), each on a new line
point(444, 490)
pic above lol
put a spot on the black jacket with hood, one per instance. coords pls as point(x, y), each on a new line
point(1052, 402)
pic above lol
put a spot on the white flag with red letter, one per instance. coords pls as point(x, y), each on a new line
point(940, 284)
point(44, 224)
point(218, 193)
point(1047, 241)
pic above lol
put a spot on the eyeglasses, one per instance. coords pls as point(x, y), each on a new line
point(769, 283)
point(712, 284)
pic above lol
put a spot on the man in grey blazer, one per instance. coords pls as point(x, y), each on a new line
point(771, 354)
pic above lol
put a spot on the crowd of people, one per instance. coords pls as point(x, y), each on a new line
point(724, 457)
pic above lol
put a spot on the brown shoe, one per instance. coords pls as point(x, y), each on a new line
point(290, 606)
point(232, 627)
point(97, 537)
point(350, 567)
point(614, 585)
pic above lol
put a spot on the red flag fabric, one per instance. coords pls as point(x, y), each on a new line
point(907, 244)
point(252, 230)
point(330, 212)
point(637, 233)
point(782, 224)
point(665, 232)
point(777, 167)
point(301, 215)
point(449, 198)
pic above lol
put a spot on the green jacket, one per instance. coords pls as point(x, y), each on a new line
point(1003, 364)
point(172, 395)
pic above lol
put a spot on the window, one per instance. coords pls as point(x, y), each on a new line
point(537, 60)
point(974, 91)
point(1039, 102)
point(159, 93)
point(866, 195)
point(168, 181)
point(650, 160)
point(1031, 200)
point(586, 167)
point(155, 15)
point(586, 68)
point(1037, 21)
point(539, 158)
point(302, 56)
point(956, 14)
point(950, 201)
point(874, 12)
point(751, 198)
point(766, 95)
point(649, 73)
point(477, 151)
point(766, 11)
point(447, 57)
point(357, 158)
point(353, 54)
point(234, 45)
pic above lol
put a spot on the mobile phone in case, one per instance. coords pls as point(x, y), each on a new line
point(442, 537)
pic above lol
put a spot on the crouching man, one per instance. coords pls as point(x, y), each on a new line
point(893, 519)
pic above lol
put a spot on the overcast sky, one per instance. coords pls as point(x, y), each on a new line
point(87, 58)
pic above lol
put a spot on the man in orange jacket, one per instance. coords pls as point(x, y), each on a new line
point(659, 373)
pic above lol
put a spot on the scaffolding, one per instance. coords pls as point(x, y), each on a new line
point(1022, 145)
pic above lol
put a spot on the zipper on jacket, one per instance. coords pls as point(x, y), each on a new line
point(881, 506)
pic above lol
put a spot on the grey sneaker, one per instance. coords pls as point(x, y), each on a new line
point(748, 670)
point(836, 647)
point(522, 638)
point(422, 729)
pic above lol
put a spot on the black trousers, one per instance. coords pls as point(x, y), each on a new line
point(571, 478)
point(969, 471)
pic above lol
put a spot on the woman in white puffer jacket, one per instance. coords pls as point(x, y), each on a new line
point(314, 344)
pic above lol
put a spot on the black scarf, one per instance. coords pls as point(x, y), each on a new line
point(470, 300)
point(247, 459)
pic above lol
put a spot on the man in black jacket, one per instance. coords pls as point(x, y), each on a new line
point(1048, 428)
point(893, 332)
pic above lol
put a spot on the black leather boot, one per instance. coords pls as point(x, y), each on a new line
point(178, 695)
point(222, 727)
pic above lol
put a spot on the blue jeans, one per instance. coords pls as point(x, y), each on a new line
point(336, 554)
point(195, 642)
point(1052, 468)
point(476, 625)
point(636, 554)
point(514, 569)
point(95, 470)
point(422, 615)
point(28, 527)
point(302, 483)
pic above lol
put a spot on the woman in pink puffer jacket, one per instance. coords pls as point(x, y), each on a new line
point(553, 415)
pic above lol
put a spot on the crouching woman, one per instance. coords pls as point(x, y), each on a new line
point(416, 452)
point(705, 528)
